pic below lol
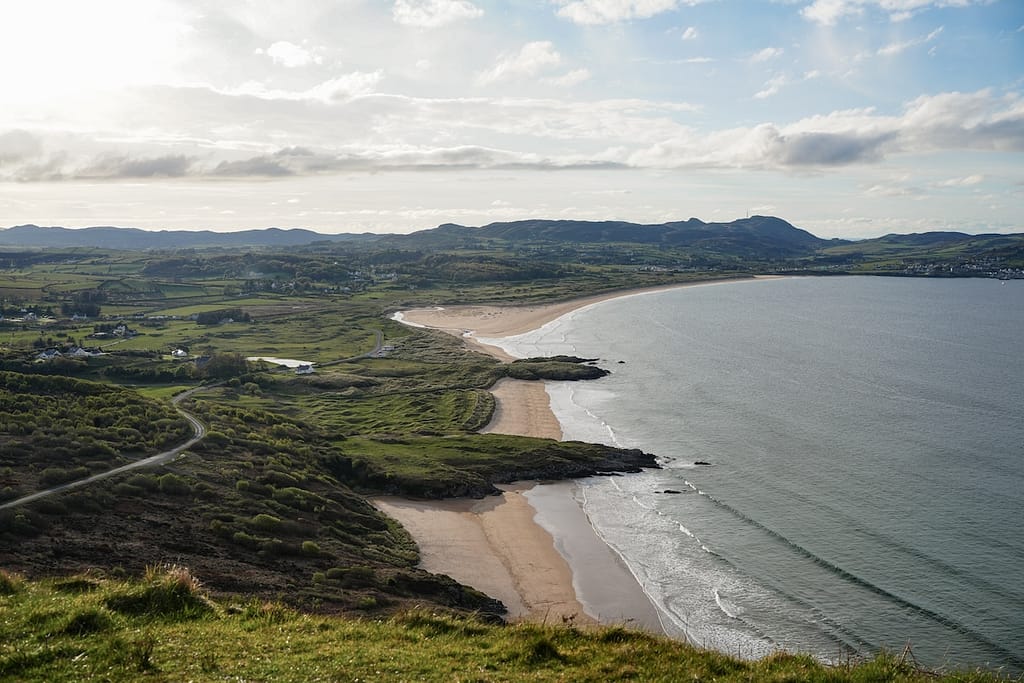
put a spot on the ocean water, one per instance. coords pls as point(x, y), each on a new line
point(866, 446)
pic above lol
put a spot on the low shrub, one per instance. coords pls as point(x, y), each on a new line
point(174, 485)
point(87, 621)
point(266, 522)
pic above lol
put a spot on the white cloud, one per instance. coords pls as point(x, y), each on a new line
point(766, 54)
point(830, 12)
point(894, 189)
point(291, 55)
point(344, 86)
point(17, 145)
point(967, 181)
point(691, 33)
point(574, 77)
point(611, 11)
point(771, 87)
point(532, 59)
point(894, 49)
point(433, 13)
point(945, 122)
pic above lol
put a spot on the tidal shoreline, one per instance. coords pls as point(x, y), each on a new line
point(533, 546)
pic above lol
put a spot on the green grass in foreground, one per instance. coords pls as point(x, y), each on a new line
point(162, 628)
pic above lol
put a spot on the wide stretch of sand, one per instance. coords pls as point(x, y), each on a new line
point(502, 545)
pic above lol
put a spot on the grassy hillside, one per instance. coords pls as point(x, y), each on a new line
point(164, 628)
point(272, 502)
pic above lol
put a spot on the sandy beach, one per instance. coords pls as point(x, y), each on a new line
point(504, 545)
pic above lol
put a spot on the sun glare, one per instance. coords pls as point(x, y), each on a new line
point(51, 48)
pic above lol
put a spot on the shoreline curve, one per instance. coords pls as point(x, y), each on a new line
point(501, 546)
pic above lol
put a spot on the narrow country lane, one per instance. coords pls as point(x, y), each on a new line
point(199, 431)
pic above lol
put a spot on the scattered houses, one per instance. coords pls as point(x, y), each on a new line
point(71, 352)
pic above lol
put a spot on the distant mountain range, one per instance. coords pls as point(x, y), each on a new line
point(134, 239)
point(756, 236)
point(761, 235)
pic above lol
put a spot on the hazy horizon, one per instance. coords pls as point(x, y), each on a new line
point(372, 232)
point(847, 118)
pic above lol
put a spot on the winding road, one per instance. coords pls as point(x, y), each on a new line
point(199, 431)
point(198, 428)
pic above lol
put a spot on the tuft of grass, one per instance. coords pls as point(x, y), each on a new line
point(169, 590)
point(88, 621)
point(178, 578)
point(541, 650)
point(76, 584)
point(140, 653)
point(10, 583)
point(266, 612)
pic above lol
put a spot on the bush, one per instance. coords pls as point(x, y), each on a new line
point(366, 602)
point(128, 491)
point(353, 577)
point(266, 522)
point(144, 481)
point(242, 538)
point(276, 478)
point(310, 548)
point(53, 476)
point(174, 485)
point(298, 498)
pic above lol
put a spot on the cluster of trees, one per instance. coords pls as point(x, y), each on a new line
point(221, 314)
point(85, 302)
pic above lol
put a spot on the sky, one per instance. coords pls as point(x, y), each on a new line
point(848, 118)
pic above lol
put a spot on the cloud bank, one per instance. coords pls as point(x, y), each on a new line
point(542, 134)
